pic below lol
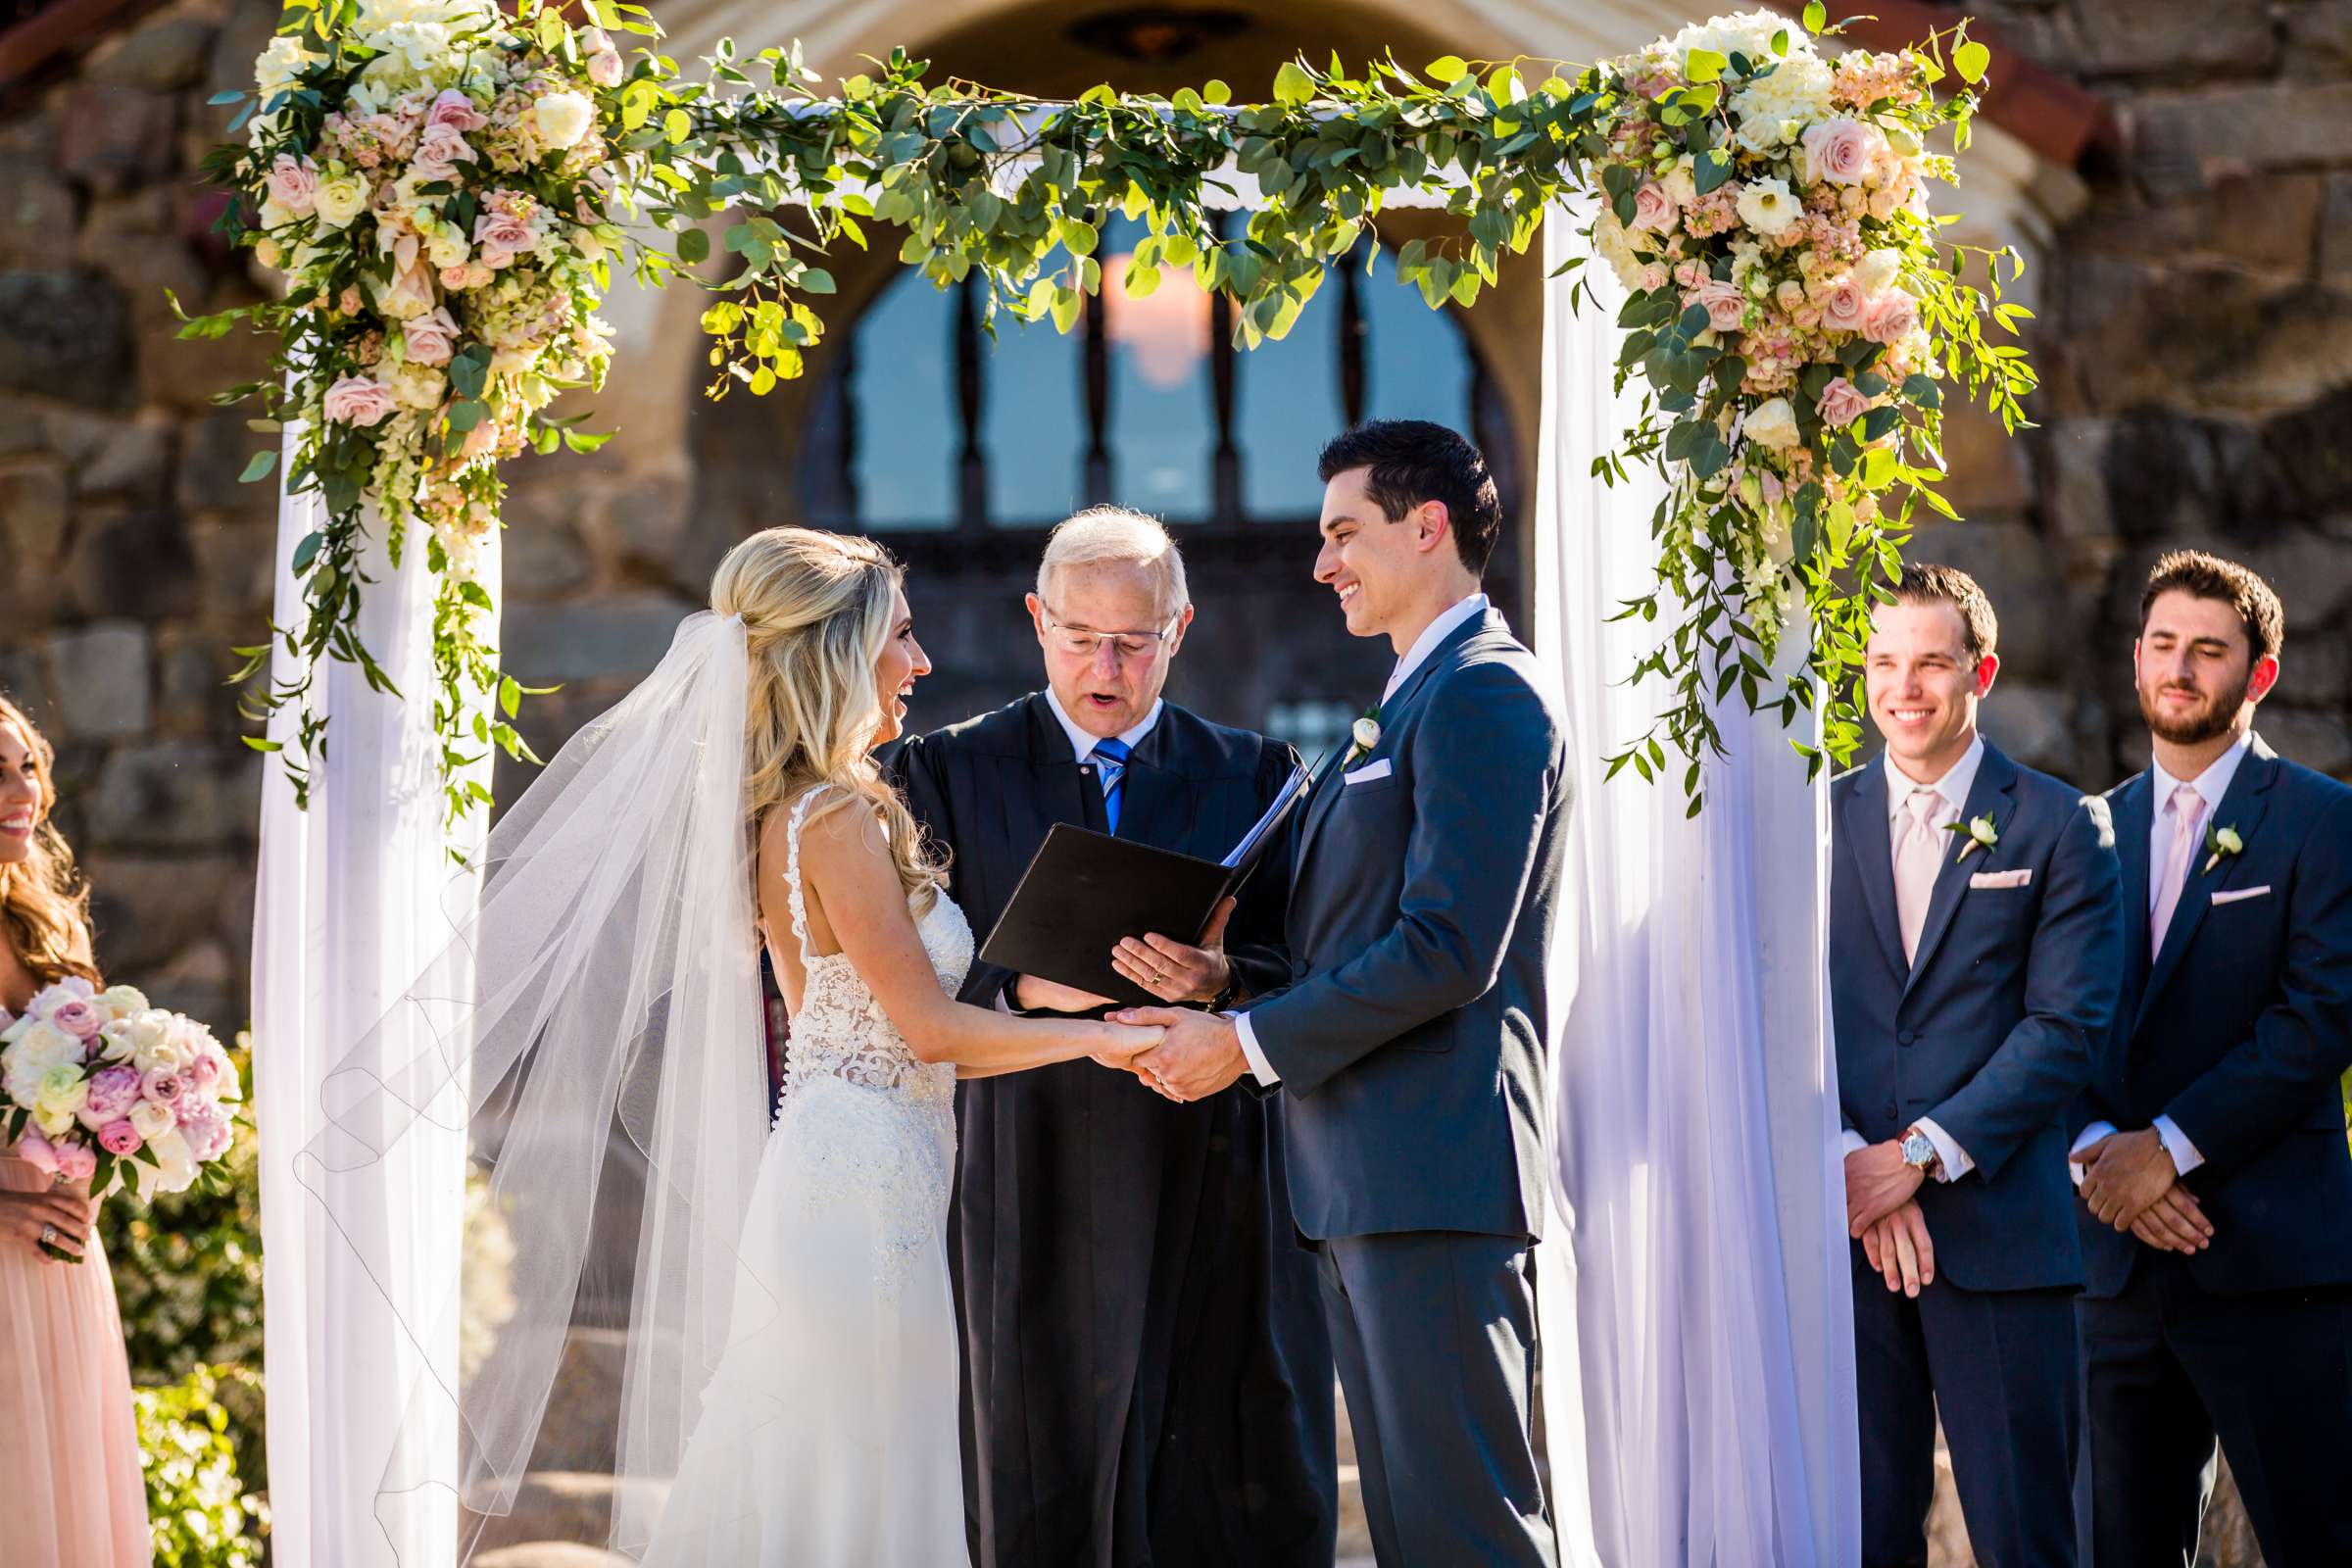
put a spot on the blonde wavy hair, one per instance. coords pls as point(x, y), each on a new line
point(816, 614)
point(44, 907)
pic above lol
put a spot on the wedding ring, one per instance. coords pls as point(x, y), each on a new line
point(49, 1235)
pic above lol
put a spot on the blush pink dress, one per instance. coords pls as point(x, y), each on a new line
point(75, 1497)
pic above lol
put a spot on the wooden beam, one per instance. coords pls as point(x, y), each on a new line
point(2058, 119)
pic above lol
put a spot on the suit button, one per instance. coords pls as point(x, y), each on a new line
point(1890, 1108)
point(1907, 1036)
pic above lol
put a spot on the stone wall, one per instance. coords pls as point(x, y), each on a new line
point(2196, 342)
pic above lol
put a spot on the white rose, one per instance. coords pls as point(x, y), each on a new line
point(151, 1120)
point(175, 1159)
point(340, 199)
point(61, 1092)
point(43, 1046)
point(1609, 238)
point(564, 118)
point(274, 68)
point(1365, 732)
point(1766, 206)
point(1877, 270)
point(1773, 424)
point(54, 1123)
point(123, 1001)
point(447, 247)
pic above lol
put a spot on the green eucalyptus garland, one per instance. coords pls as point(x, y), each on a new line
point(1789, 306)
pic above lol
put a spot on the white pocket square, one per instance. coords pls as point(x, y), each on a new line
point(2023, 876)
point(1367, 773)
point(2240, 895)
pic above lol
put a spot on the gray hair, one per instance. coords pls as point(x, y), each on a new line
point(1106, 535)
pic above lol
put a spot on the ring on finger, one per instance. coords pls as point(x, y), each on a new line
point(49, 1235)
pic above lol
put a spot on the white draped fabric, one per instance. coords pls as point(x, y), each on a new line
point(1699, 1353)
point(352, 901)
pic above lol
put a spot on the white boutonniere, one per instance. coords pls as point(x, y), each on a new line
point(1980, 836)
point(1365, 734)
point(2218, 843)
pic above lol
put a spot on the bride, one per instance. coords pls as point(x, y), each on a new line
point(789, 1389)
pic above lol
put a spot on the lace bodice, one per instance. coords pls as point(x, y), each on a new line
point(841, 1030)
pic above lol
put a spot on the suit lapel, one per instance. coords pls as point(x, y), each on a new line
point(1993, 793)
point(1392, 711)
point(1869, 836)
point(2243, 807)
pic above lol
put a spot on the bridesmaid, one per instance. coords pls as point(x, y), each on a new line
point(76, 1497)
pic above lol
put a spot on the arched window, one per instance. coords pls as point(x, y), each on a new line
point(924, 424)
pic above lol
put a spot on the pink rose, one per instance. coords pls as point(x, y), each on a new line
point(501, 236)
point(1842, 151)
point(411, 294)
point(208, 1132)
point(1654, 209)
point(1726, 306)
point(456, 111)
point(431, 338)
point(39, 1152)
point(360, 400)
point(1892, 317)
point(349, 302)
point(605, 67)
point(77, 1017)
point(438, 152)
point(119, 1137)
point(293, 184)
point(77, 1163)
point(1845, 307)
point(113, 1092)
point(1840, 403)
point(164, 1086)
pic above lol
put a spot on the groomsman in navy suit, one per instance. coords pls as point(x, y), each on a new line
point(2217, 1223)
point(1975, 937)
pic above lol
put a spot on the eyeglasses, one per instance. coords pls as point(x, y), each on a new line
point(1136, 645)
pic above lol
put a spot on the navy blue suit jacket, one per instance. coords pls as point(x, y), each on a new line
point(1991, 1032)
point(1410, 1040)
point(2240, 1030)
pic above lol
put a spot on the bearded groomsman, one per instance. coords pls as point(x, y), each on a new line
point(1975, 937)
point(2217, 1222)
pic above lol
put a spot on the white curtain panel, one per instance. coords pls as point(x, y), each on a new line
point(1698, 1355)
point(355, 895)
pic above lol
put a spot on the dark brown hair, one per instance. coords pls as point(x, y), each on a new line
point(1923, 584)
point(1413, 461)
point(2194, 572)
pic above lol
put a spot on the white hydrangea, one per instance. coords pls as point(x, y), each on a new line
point(1616, 248)
point(1750, 34)
point(1798, 90)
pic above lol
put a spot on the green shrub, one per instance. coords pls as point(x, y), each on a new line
point(198, 1512)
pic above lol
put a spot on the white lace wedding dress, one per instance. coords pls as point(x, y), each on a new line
point(828, 1436)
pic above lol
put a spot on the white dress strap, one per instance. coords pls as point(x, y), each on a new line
point(792, 875)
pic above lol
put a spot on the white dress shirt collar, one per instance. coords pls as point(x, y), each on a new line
point(1082, 745)
point(1431, 635)
point(2212, 784)
point(1954, 786)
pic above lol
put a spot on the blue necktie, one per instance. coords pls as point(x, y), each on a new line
point(1111, 757)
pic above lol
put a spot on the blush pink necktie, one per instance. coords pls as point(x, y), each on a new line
point(2187, 808)
point(1918, 858)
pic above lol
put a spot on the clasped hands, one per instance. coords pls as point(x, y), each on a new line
point(2130, 1182)
point(1196, 1053)
point(1883, 1214)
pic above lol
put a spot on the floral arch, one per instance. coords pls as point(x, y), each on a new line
point(451, 189)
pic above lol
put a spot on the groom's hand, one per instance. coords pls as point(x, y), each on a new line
point(1202, 1054)
point(1176, 972)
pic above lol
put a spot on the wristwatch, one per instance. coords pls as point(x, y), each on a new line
point(1919, 1153)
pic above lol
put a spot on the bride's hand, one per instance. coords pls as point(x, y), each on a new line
point(1121, 1044)
point(61, 1215)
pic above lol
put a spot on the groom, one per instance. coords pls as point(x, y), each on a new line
point(1408, 1043)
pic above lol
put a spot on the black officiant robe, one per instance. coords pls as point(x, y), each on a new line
point(1148, 1380)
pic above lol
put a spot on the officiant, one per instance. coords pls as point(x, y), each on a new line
point(1146, 1379)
